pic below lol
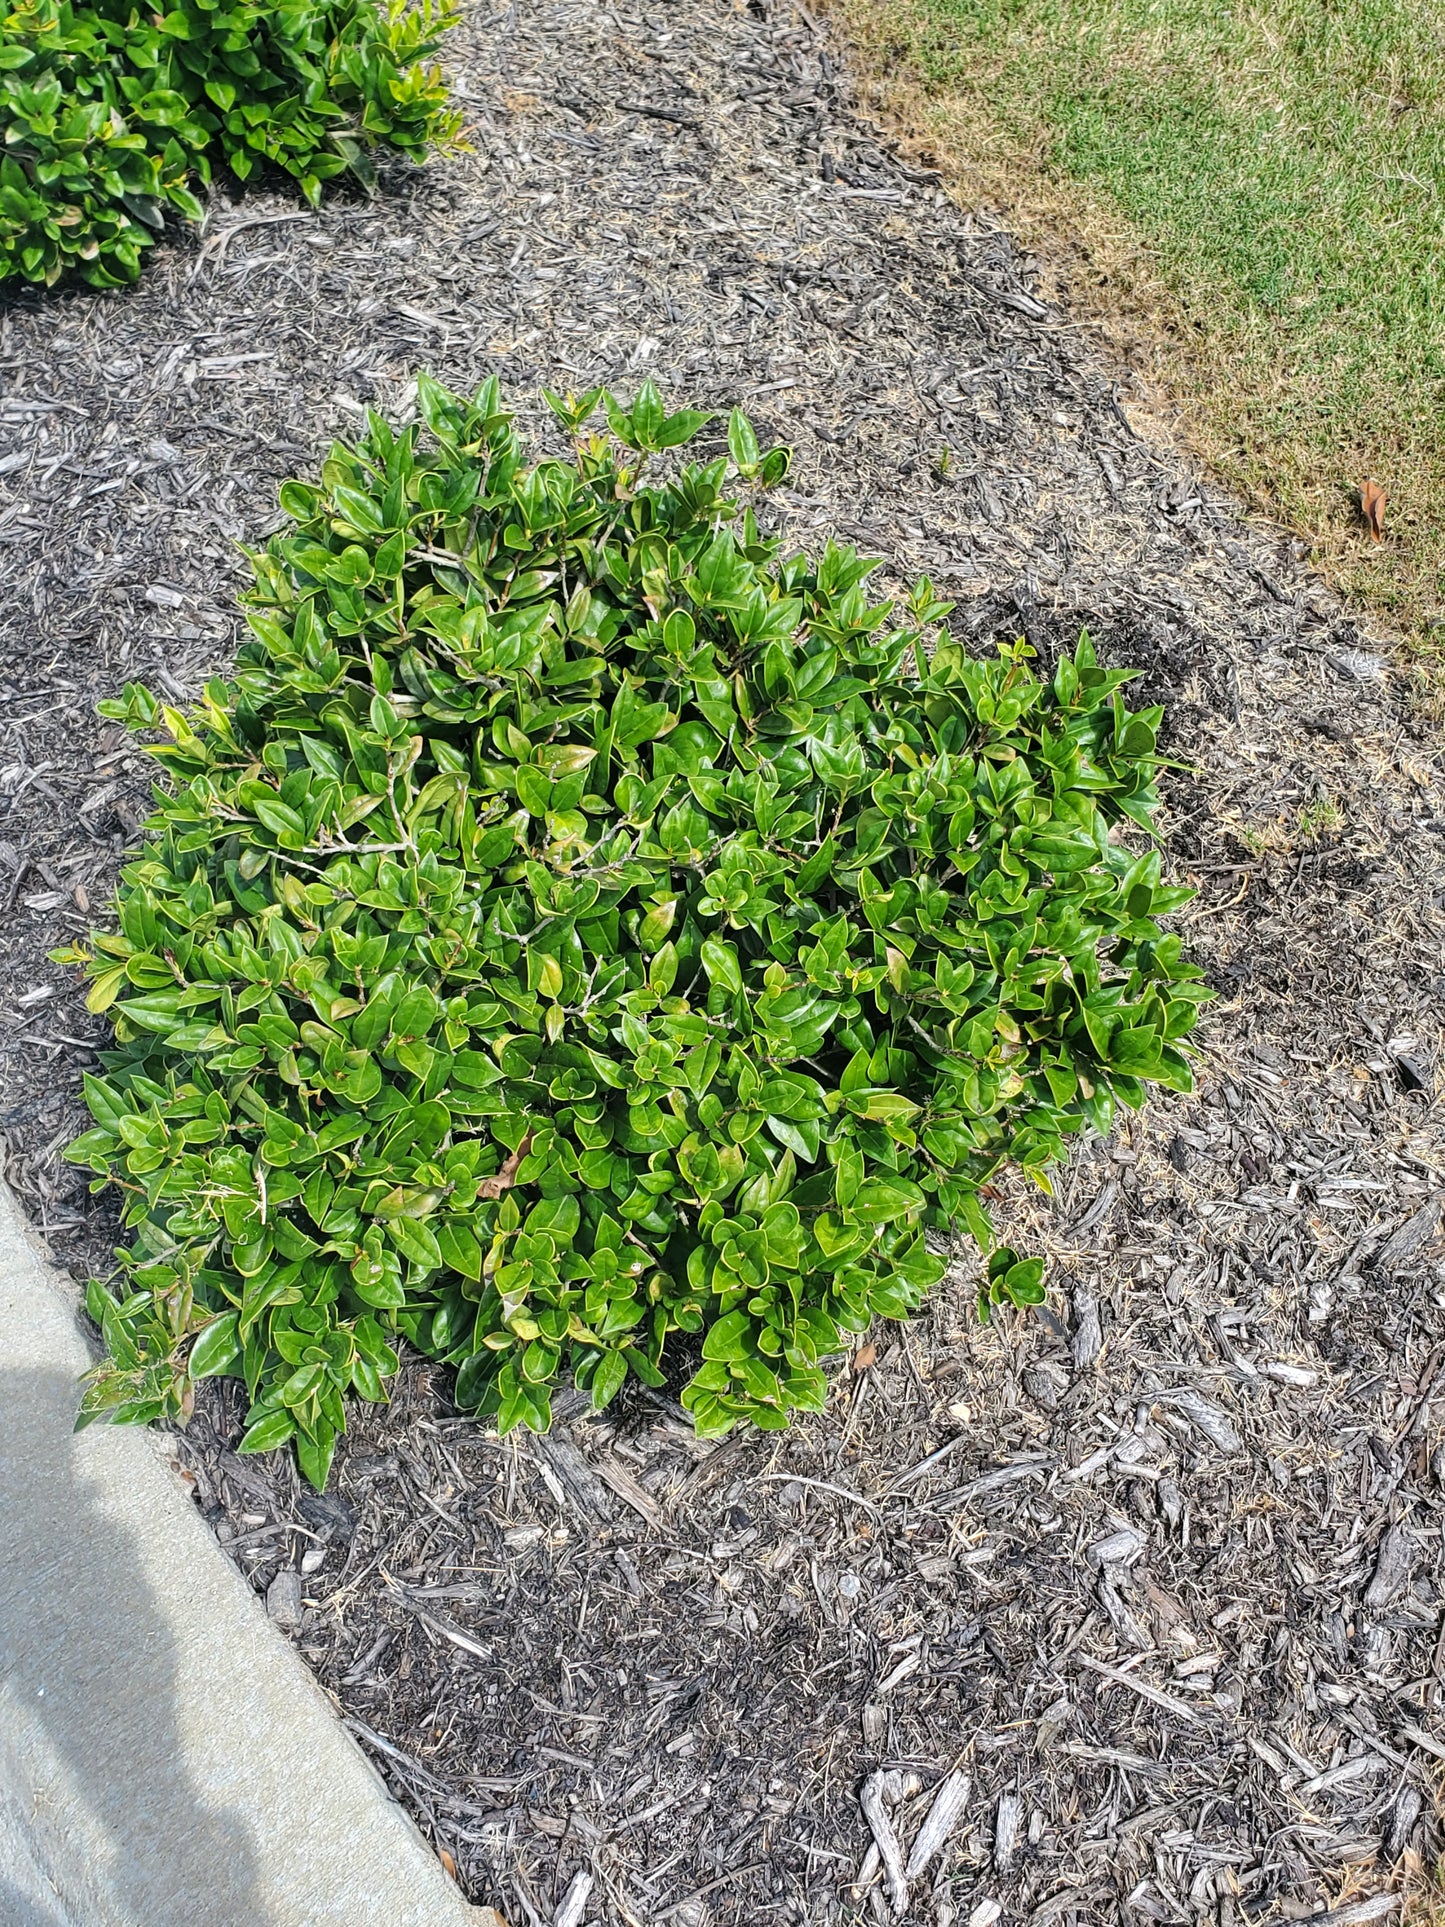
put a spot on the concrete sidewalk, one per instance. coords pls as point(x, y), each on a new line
point(165, 1758)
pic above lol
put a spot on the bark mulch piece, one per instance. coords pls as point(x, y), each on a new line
point(1159, 1570)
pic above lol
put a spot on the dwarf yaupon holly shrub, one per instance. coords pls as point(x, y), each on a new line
point(114, 114)
point(579, 923)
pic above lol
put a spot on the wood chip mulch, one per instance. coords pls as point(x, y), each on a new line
point(1159, 1571)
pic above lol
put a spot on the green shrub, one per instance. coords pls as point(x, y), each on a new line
point(113, 114)
point(577, 924)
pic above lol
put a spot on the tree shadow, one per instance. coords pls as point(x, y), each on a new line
point(100, 1824)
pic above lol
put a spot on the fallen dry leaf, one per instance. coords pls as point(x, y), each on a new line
point(444, 1855)
point(1372, 508)
point(507, 1176)
point(865, 1356)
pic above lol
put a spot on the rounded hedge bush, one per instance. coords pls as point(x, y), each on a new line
point(579, 922)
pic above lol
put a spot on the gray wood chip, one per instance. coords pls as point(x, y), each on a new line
point(1392, 1569)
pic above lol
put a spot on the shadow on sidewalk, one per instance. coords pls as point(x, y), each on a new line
point(98, 1820)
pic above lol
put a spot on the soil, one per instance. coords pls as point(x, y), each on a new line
point(1158, 1569)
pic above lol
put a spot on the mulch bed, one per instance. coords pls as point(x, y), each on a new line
point(1160, 1569)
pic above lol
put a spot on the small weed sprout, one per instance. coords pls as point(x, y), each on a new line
point(1321, 818)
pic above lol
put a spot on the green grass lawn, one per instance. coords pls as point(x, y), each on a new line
point(1278, 172)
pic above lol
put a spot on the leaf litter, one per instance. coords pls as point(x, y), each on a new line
point(1372, 509)
point(1164, 1592)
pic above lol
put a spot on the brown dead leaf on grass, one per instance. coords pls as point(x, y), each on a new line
point(1372, 509)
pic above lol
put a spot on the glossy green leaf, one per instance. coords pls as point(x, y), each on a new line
point(268, 1431)
point(217, 1347)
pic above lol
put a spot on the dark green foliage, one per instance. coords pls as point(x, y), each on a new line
point(113, 113)
point(576, 924)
